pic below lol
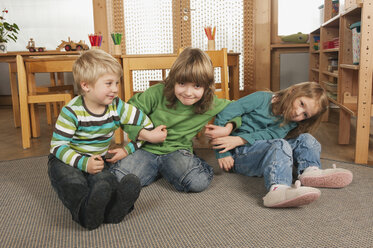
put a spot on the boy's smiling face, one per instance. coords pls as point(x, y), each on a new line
point(102, 93)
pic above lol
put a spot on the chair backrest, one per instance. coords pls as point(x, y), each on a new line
point(28, 95)
point(219, 58)
point(164, 61)
point(143, 62)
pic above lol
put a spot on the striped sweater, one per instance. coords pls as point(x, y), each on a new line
point(79, 134)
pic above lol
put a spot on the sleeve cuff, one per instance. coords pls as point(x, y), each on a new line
point(222, 155)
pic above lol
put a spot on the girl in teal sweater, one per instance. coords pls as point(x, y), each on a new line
point(272, 138)
point(184, 103)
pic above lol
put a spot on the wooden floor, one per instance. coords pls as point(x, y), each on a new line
point(11, 145)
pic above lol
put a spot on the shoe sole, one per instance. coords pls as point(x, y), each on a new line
point(127, 193)
point(96, 203)
point(298, 201)
point(334, 180)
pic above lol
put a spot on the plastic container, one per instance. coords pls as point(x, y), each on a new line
point(335, 7)
point(316, 42)
point(321, 8)
point(355, 28)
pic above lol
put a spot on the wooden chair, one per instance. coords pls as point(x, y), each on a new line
point(54, 87)
point(162, 62)
point(143, 62)
point(28, 97)
point(219, 58)
point(53, 109)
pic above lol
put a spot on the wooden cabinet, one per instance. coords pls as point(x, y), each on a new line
point(348, 85)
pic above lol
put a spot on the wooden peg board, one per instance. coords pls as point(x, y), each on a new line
point(365, 84)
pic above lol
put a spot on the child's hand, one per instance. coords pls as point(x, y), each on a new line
point(157, 135)
point(95, 164)
point(116, 154)
point(226, 163)
point(213, 131)
point(227, 143)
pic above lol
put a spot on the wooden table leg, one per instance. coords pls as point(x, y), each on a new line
point(234, 77)
point(34, 110)
point(14, 93)
point(24, 112)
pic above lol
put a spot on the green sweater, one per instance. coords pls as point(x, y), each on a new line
point(258, 121)
point(182, 123)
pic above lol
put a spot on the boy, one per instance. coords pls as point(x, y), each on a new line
point(77, 166)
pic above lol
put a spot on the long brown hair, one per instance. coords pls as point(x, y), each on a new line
point(283, 104)
point(192, 65)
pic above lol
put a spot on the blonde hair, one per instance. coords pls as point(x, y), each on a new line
point(192, 65)
point(283, 105)
point(93, 64)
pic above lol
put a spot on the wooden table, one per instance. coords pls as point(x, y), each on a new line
point(10, 58)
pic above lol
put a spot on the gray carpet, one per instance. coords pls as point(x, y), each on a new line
point(229, 214)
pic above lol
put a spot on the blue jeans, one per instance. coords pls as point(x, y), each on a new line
point(274, 159)
point(184, 170)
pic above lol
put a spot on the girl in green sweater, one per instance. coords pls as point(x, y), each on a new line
point(184, 104)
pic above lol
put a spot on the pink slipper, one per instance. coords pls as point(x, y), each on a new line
point(291, 196)
point(328, 178)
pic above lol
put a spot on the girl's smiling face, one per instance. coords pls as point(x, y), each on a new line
point(188, 93)
point(304, 108)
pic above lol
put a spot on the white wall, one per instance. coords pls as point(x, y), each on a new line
point(48, 22)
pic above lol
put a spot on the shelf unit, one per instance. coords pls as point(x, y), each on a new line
point(348, 85)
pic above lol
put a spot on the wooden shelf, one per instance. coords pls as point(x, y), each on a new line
point(331, 50)
point(289, 45)
point(348, 66)
point(355, 10)
point(333, 22)
point(331, 74)
point(354, 95)
point(345, 108)
point(315, 70)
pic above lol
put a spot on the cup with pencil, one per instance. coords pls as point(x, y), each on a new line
point(117, 39)
point(95, 40)
point(210, 33)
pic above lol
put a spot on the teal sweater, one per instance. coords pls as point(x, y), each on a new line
point(258, 121)
point(182, 123)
